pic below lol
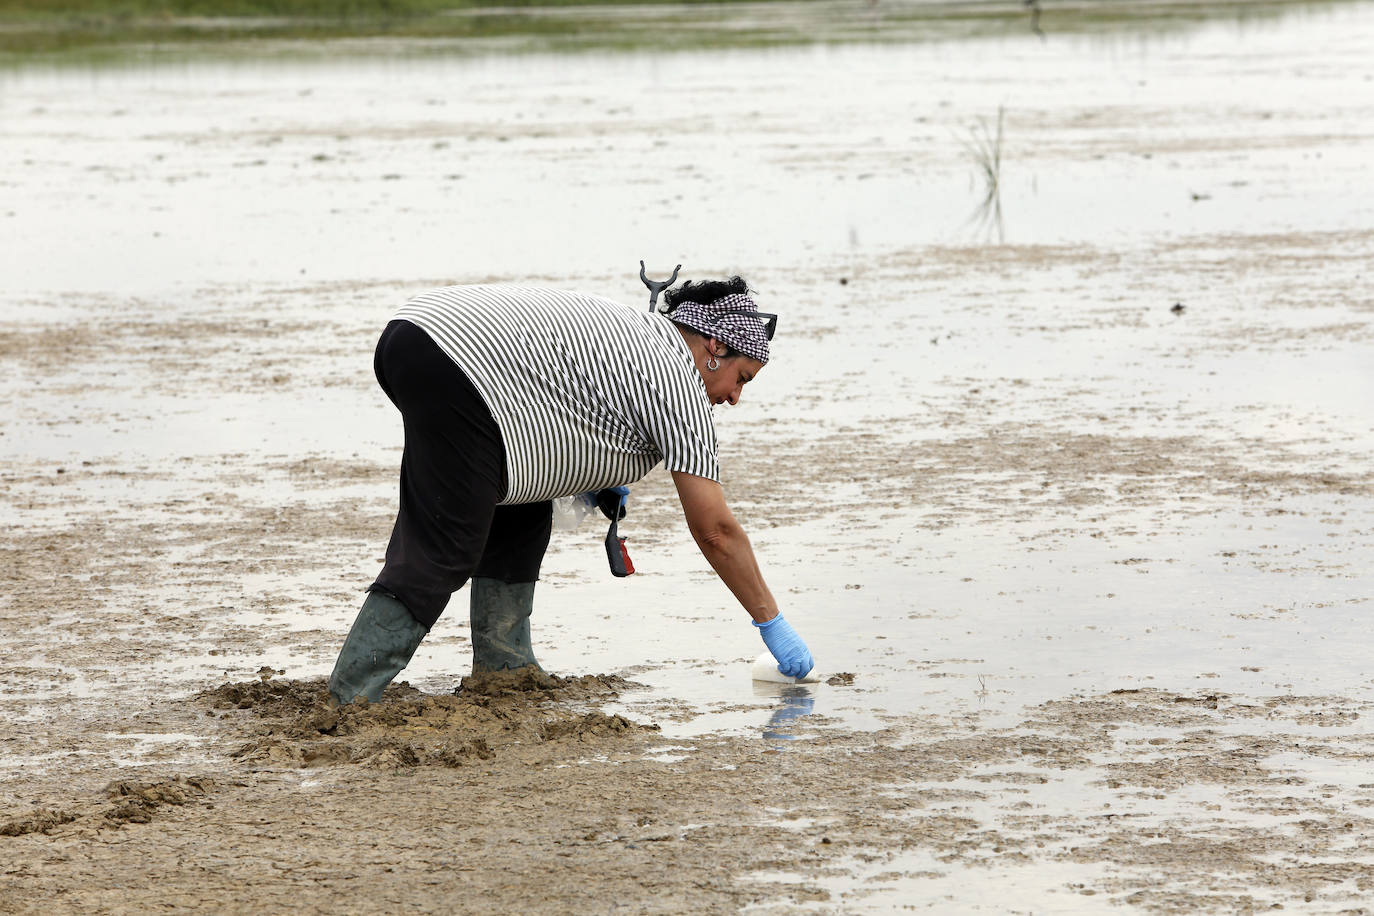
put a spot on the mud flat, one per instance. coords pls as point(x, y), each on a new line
point(523, 798)
point(1075, 509)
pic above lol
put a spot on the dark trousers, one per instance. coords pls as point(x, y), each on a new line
point(453, 473)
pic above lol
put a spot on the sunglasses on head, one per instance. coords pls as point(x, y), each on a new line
point(770, 321)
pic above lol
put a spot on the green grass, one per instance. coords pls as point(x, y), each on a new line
point(48, 28)
point(41, 27)
point(58, 12)
point(327, 9)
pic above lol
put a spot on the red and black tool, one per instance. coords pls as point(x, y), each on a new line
point(617, 553)
point(612, 506)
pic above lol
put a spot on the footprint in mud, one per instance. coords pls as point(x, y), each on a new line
point(296, 725)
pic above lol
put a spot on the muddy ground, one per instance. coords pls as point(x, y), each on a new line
point(153, 761)
point(526, 798)
point(126, 791)
point(1078, 522)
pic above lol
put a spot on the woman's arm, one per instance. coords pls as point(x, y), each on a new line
point(725, 546)
point(724, 543)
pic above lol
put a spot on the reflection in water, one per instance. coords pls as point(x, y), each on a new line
point(984, 147)
point(1034, 7)
point(795, 702)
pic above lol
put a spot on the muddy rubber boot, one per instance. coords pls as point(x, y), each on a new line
point(501, 624)
point(382, 640)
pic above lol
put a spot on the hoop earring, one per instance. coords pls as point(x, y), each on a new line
point(713, 364)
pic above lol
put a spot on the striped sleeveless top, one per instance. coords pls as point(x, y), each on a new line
point(588, 393)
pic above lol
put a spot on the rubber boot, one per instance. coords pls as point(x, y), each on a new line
point(382, 640)
point(501, 624)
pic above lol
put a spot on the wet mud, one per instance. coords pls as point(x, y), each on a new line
point(550, 794)
point(296, 723)
point(1086, 573)
point(123, 803)
point(479, 787)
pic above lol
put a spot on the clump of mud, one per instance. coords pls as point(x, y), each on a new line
point(127, 803)
point(43, 820)
point(272, 698)
point(591, 725)
point(295, 724)
point(531, 681)
point(135, 803)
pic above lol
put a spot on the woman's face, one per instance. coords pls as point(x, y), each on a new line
point(723, 385)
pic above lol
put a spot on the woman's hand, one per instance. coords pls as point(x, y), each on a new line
point(794, 659)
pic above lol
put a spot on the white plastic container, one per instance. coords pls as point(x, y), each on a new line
point(569, 511)
point(766, 669)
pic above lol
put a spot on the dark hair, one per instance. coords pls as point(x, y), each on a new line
point(702, 291)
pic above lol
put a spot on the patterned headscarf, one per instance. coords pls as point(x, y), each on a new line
point(723, 320)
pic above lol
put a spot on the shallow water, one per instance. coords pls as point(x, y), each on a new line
point(550, 165)
point(981, 475)
point(166, 189)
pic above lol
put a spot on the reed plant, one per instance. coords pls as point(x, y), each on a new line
point(983, 144)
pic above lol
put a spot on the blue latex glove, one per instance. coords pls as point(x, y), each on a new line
point(794, 659)
point(611, 501)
